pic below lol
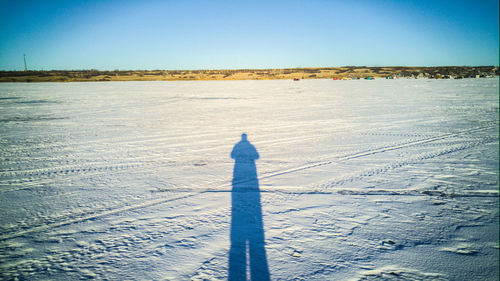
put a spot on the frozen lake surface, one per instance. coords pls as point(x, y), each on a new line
point(362, 180)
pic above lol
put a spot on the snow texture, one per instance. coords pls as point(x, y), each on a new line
point(334, 180)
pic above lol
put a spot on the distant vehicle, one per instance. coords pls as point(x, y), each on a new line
point(369, 78)
point(296, 79)
point(337, 78)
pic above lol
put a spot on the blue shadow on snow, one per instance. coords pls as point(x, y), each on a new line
point(247, 228)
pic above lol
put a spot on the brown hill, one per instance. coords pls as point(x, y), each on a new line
point(250, 74)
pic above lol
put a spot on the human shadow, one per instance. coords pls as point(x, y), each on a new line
point(247, 228)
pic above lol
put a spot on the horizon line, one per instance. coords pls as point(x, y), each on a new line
point(203, 69)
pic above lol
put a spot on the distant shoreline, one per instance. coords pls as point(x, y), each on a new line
point(345, 72)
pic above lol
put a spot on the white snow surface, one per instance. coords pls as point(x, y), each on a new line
point(359, 180)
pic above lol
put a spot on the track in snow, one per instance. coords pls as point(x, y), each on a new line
point(324, 188)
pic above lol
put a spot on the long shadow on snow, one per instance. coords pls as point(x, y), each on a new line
point(247, 228)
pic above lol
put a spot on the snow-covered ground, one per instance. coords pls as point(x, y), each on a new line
point(362, 180)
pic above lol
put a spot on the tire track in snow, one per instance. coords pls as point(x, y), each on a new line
point(370, 172)
point(177, 140)
point(219, 188)
point(327, 187)
point(280, 195)
point(374, 151)
point(369, 152)
point(27, 177)
point(405, 162)
point(89, 167)
point(143, 236)
point(70, 169)
point(92, 216)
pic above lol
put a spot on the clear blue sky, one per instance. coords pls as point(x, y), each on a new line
point(108, 35)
